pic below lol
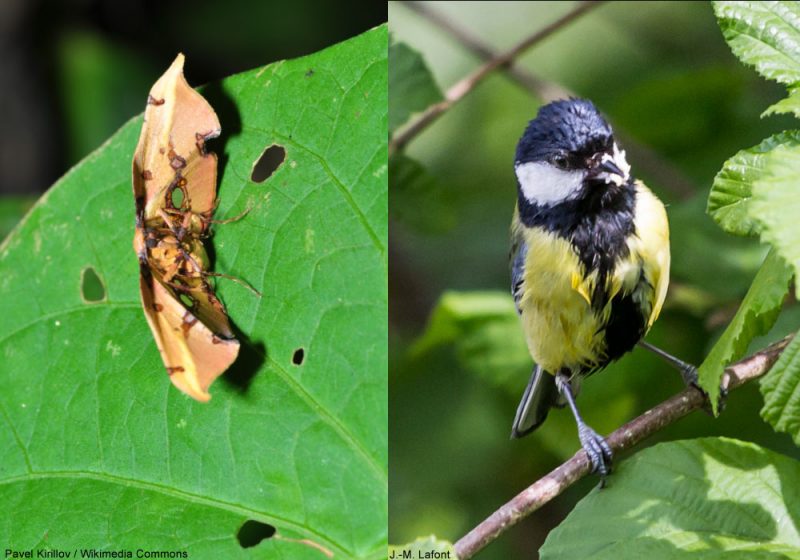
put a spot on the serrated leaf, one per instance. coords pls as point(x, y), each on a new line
point(781, 391)
point(765, 35)
point(419, 200)
point(790, 105)
point(411, 83)
point(484, 330)
point(423, 547)
point(755, 316)
point(709, 498)
point(99, 450)
point(732, 191)
point(776, 205)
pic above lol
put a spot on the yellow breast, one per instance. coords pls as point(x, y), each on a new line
point(561, 327)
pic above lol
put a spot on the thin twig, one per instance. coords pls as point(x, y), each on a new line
point(645, 157)
point(544, 89)
point(467, 84)
point(554, 483)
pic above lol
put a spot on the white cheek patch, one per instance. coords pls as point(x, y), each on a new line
point(544, 184)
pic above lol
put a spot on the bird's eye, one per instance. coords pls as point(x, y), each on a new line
point(560, 161)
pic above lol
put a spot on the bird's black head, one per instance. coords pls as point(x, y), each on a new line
point(565, 151)
point(566, 127)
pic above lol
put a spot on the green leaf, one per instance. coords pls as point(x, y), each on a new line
point(790, 105)
point(732, 191)
point(709, 498)
point(99, 449)
point(781, 391)
point(755, 316)
point(765, 35)
point(411, 83)
point(423, 547)
point(776, 204)
point(484, 329)
point(419, 200)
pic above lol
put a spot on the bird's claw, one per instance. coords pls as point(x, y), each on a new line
point(690, 377)
point(598, 451)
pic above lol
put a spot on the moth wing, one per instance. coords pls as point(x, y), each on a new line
point(193, 355)
point(211, 312)
point(201, 176)
point(178, 121)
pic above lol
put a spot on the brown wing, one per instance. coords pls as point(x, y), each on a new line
point(178, 121)
point(193, 355)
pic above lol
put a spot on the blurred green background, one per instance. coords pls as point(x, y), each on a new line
point(670, 86)
point(73, 71)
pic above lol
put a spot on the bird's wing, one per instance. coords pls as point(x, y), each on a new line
point(653, 230)
point(519, 250)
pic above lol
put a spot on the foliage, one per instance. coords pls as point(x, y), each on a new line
point(707, 497)
point(781, 389)
point(96, 437)
point(755, 191)
point(756, 315)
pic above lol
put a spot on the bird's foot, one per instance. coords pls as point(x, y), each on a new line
point(690, 378)
point(689, 374)
point(598, 451)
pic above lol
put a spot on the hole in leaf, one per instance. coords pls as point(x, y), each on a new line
point(268, 163)
point(186, 300)
point(253, 532)
point(298, 356)
point(177, 198)
point(92, 288)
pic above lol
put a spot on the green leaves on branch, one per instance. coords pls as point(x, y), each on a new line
point(764, 35)
point(776, 204)
point(731, 194)
point(755, 317)
point(755, 193)
point(703, 498)
point(781, 390)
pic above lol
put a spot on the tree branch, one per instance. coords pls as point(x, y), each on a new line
point(458, 90)
point(666, 174)
point(558, 480)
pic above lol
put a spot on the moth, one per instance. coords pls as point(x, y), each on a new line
point(174, 185)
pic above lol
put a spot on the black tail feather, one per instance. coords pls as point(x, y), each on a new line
point(540, 395)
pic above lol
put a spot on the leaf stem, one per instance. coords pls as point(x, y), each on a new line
point(554, 483)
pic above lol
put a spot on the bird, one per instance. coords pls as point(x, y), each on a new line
point(590, 259)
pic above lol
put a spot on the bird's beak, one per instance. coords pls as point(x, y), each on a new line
point(609, 166)
point(612, 167)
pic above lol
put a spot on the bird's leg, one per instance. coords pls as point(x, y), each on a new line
point(688, 372)
point(595, 446)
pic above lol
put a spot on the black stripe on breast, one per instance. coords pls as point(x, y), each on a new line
point(597, 225)
point(625, 326)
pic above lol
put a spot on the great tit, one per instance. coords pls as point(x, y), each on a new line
point(589, 261)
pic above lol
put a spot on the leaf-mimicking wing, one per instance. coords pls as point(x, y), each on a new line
point(174, 184)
